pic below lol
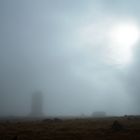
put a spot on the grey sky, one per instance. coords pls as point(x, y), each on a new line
point(43, 47)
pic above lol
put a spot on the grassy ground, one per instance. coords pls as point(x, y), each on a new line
point(71, 129)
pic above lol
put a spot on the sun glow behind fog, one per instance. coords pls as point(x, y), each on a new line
point(124, 34)
point(122, 39)
point(117, 39)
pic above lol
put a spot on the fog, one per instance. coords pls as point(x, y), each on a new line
point(61, 49)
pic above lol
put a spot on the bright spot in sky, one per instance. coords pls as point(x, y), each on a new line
point(123, 38)
point(124, 34)
point(117, 39)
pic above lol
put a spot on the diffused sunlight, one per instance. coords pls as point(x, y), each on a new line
point(123, 38)
point(125, 34)
point(119, 38)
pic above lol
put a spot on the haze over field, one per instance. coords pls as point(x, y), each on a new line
point(83, 55)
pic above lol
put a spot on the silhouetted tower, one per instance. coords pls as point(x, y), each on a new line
point(37, 104)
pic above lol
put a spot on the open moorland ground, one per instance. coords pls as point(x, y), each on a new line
point(125, 128)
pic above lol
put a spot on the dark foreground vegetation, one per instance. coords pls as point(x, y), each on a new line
point(115, 128)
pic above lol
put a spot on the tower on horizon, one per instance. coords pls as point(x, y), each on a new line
point(37, 104)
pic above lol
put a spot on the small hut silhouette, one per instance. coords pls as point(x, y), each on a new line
point(37, 104)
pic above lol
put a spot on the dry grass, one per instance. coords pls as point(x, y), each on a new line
point(71, 129)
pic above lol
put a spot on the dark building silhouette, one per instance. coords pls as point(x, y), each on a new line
point(37, 104)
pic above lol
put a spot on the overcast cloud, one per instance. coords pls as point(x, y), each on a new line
point(48, 45)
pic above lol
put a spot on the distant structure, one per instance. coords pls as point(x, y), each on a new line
point(37, 104)
point(99, 114)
